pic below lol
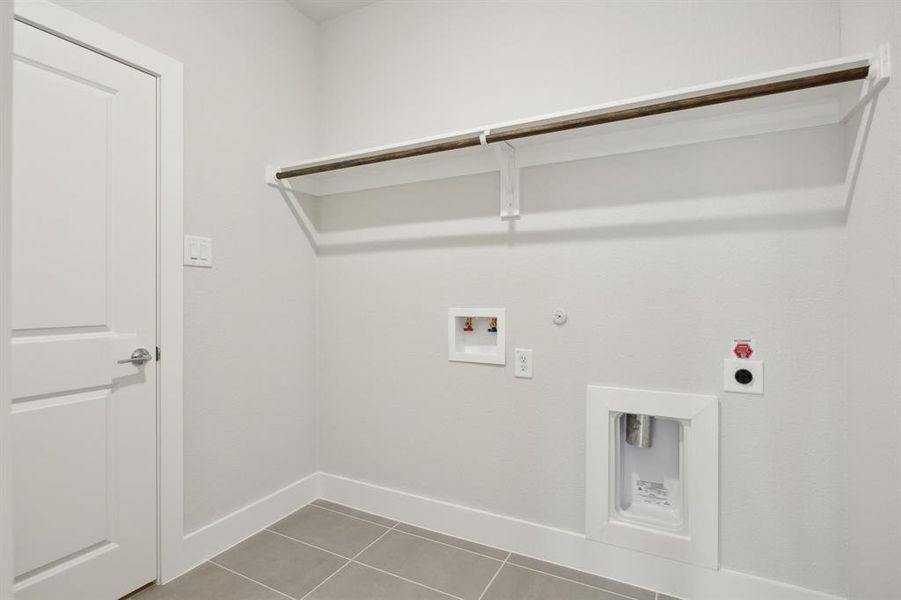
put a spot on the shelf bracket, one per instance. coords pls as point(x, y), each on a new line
point(509, 170)
point(880, 71)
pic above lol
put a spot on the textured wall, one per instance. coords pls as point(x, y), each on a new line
point(659, 257)
point(250, 425)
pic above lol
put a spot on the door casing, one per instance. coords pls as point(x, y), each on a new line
point(168, 74)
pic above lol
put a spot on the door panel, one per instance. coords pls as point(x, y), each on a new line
point(61, 231)
point(74, 467)
point(83, 297)
point(78, 361)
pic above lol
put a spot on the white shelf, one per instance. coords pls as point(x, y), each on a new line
point(812, 107)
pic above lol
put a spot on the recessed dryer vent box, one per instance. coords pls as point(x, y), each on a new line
point(477, 335)
point(658, 494)
point(649, 480)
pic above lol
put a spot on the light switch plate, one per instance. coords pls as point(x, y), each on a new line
point(731, 366)
point(198, 251)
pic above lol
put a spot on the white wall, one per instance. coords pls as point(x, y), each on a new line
point(397, 70)
point(250, 72)
point(874, 325)
point(6, 566)
point(663, 257)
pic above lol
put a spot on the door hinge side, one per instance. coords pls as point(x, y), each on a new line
point(157, 354)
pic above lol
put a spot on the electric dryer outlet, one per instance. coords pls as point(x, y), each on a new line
point(743, 376)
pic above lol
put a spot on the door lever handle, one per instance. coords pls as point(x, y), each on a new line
point(138, 357)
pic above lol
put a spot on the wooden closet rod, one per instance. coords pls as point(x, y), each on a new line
point(566, 123)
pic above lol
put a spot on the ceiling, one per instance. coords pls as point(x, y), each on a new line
point(322, 10)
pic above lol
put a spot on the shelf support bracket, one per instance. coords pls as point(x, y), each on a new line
point(509, 170)
point(880, 71)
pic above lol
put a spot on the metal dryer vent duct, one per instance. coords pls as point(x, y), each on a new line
point(639, 430)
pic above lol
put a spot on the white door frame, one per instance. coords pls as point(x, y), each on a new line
point(170, 148)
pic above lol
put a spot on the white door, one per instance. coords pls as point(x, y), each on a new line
point(83, 298)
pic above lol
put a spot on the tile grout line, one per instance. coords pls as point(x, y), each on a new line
point(343, 514)
point(396, 523)
point(260, 583)
point(496, 573)
point(402, 578)
point(422, 537)
point(394, 528)
point(509, 554)
point(288, 537)
point(373, 542)
point(324, 581)
point(342, 567)
point(588, 585)
point(368, 566)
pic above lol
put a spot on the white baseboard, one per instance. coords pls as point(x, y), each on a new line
point(559, 546)
point(523, 537)
point(220, 535)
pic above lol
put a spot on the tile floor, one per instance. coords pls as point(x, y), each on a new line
point(326, 551)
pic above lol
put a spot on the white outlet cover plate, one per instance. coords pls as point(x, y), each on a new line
point(731, 365)
point(522, 363)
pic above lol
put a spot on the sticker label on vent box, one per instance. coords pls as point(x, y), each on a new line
point(651, 492)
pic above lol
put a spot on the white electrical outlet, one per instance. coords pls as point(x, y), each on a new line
point(523, 363)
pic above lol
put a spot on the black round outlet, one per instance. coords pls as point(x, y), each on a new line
point(744, 376)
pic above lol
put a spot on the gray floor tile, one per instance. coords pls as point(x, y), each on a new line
point(357, 582)
point(285, 565)
point(353, 512)
point(457, 567)
point(452, 570)
point(593, 580)
point(515, 583)
point(329, 530)
point(209, 582)
point(459, 543)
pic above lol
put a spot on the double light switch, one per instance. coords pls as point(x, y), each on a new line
point(198, 251)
